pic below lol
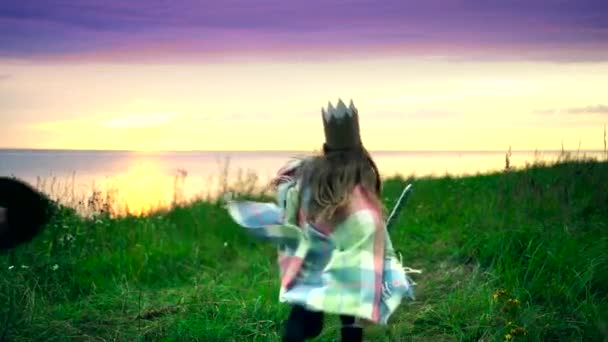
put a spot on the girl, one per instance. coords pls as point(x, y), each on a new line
point(335, 255)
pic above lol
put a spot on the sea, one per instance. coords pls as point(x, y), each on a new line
point(139, 182)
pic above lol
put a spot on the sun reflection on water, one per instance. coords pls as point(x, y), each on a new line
point(144, 186)
point(148, 184)
point(138, 183)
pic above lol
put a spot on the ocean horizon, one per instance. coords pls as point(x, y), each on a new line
point(143, 180)
point(293, 151)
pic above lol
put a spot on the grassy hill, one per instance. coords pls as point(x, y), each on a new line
point(519, 255)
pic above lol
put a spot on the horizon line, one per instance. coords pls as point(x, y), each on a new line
point(4, 149)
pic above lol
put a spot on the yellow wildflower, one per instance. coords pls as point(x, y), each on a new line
point(508, 337)
point(499, 293)
point(518, 331)
point(514, 302)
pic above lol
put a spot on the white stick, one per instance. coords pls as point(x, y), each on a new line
point(398, 206)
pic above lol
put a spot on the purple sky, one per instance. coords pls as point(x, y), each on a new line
point(534, 29)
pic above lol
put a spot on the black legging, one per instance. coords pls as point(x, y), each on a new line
point(303, 324)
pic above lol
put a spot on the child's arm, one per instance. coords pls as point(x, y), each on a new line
point(275, 223)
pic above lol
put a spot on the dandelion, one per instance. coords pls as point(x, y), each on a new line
point(517, 331)
point(55, 267)
point(513, 302)
point(499, 294)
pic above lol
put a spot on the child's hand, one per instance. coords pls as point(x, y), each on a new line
point(228, 196)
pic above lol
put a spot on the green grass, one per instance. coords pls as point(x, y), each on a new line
point(538, 234)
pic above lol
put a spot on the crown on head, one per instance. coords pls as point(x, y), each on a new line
point(341, 125)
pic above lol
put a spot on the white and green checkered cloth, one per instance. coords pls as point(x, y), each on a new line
point(347, 269)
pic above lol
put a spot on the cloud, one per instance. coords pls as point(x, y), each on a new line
point(532, 28)
point(467, 92)
point(420, 114)
point(247, 116)
point(597, 109)
point(140, 120)
point(242, 116)
point(63, 125)
point(591, 109)
point(121, 122)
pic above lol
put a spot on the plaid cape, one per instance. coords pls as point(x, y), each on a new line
point(347, 269)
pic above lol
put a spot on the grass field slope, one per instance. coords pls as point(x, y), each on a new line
point(519, 255)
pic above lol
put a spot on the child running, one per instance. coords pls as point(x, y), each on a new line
point(335, 254)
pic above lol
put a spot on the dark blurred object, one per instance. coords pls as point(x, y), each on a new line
point(24, 212)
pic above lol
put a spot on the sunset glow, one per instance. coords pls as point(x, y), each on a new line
point(202, 76)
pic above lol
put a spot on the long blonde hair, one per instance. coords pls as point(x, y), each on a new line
point(331, 178)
